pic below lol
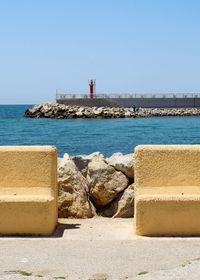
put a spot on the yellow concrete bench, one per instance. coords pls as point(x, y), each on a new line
point(167, 200)
point(28, 190)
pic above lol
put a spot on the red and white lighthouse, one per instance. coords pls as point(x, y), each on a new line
point(92, 84)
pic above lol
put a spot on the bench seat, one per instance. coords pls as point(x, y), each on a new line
point(167, 215)
point(28, 190)
point(32, 215)
point(167, 190)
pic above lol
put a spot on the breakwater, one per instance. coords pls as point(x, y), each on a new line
point(61, 111)
point(143, 101)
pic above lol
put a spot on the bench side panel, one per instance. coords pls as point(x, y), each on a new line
point(25, 167)
point(167, 165)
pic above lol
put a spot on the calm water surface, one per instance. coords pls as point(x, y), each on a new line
point(84, 136)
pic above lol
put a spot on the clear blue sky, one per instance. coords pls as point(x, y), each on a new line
point(127, 45)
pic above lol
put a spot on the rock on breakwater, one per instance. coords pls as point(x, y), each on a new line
point(92, 185)
point(60, 111)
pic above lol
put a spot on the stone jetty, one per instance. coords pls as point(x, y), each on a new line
point(60, 111)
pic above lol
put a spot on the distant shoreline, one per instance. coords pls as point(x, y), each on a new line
point(60, 111)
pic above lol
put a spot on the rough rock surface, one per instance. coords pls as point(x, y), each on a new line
point(122, 206)
point(105, 183)
point(72, 191)
point(61, 111)
point(83, 161)
point(124, 163)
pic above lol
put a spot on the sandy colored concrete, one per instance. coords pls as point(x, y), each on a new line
point(167, 190)
point(167, 165)
point(27, 166)
point(28, 189)
point(99, 248)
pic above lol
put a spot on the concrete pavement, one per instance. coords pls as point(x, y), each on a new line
point(99, 248)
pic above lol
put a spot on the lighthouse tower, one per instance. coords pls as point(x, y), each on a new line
point(92, 85)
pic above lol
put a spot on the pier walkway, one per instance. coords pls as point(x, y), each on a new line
point(99, 249)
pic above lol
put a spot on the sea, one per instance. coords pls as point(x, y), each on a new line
point(85, 136)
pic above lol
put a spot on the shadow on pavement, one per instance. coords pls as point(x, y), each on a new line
point(62, 227)
point(58, 233)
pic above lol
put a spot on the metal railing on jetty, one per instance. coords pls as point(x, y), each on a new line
point(127, 95)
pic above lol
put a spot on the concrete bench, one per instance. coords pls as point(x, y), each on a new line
point(28, 190)
point(167, 179)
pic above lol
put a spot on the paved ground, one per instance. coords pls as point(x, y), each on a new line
point(99, 249)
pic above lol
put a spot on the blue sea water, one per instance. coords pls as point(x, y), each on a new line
point(84, 136)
